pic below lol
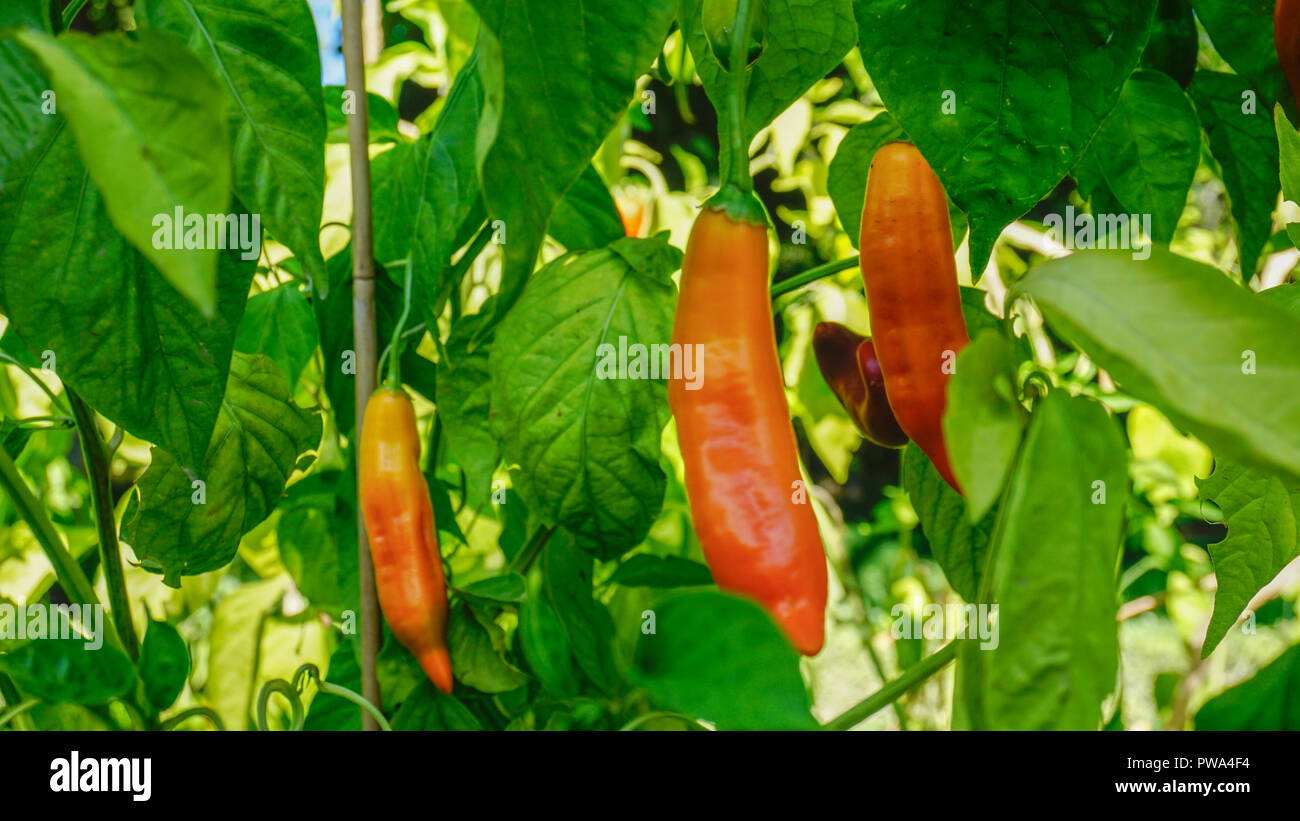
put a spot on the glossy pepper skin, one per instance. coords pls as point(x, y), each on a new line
point(403, 540)
point(848, 363)
point(912, 294)
point(1286, 36)
point(748, 504)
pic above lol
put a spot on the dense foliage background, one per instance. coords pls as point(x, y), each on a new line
point(554, 565)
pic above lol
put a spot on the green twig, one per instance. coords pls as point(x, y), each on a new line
point(101, 495)
point(798, 281)
point(185, 715)
point(738, 173)
point(66, 570)
point(313, 672)
point(70, 13)
point(529, 552)
point(912, 677)
point(296, 714)
point(17, 710)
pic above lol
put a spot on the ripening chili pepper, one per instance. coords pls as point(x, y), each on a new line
point(912, 294)
point(403, 540)
point(1286, 36)
point(848, 364)
point(748, 503)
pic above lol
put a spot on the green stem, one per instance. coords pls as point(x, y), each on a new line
point(738, 173)
point(798, 281)
point(394, 352)
point(185, 715)
point(101, 495)
point(71, 12)
point(279, 685)
point(313, 672)
point(54, 400)
point(16, 711)
point(69, 574)
point(529, 552)
point(911, 678)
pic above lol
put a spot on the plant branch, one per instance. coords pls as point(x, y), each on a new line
point(911, 678)
point(798, 281)
point(101, 495)
point(363, 326)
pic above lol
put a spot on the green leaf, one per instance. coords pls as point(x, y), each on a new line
point(266, 58)
point(280, 324)
point(1242, 32)
point(415, 215)
point(164, 665)
point(805, 40)
point(959, 547)
point(567, 574)
point(984, 420)
point(68, 671)
point(150, 123)
point(846, 179)
point(586, 218)
point(428, 708)
point(588, 446)
point(507, 589)
point(30, 13)
point(553, 89)
point(1181, 336)
point(1260, 511)
point(1044, 77)
point(648, 570)
point(1264, 702)
point(478, 647)
point(723, 659)
point(465, 406)
point(1148, 150)
point(317, 536)
point(1244, 143)
point(546, 648)
point(1174, 42)
point(133, 348)
point(255, 447)
point(383, 117)
point(1056, 650)
point(235, 649)
point(1289, 146)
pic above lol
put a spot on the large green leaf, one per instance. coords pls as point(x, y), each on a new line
point(465, 406)
point(1057, 647)
point(1242, 33)
point(1148, 149)
point(150, 123)
point(1181, 336)
point(428, 708)
point(958, 546)
point(588, 446)
point(415, 191)
point(265, 56)
point(984, 420)
point(1266, 701)
point(478, 652)
point(567, 571)
point(164, 664)
point(1260, 511)
point(804, 41)
point(722, 659)
point(178, 528)
point(561, 73)
point(546, 647)
point(133, 348)
point(587, 217)
point(280, 324)
point(1030, 86)
point(66, 670)
point(1244, 142)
